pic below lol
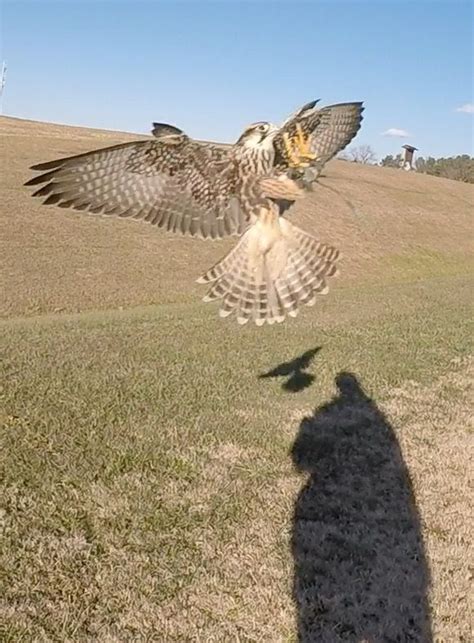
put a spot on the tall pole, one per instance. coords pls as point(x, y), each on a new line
point(3, 80)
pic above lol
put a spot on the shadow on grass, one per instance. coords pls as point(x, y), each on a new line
point(298, 379)
point(360, 571)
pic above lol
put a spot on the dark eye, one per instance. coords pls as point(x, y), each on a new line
point(262, 128)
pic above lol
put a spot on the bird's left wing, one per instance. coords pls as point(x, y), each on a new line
point(306, 110)
point(171, 181)
point(324, 132)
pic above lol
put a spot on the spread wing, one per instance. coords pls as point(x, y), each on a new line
point(328, 130)
point(300, 112)
point(171, 181)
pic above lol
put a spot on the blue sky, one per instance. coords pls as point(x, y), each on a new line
point(213, 67)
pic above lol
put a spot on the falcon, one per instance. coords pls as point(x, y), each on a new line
point(210, 191)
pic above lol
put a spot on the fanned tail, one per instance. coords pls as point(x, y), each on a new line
point(267, 282)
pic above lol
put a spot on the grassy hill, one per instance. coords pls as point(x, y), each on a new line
point(156, 486)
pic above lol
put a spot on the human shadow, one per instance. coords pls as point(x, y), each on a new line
point(295, 371)
point(360, 571)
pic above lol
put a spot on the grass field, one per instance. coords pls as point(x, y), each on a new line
point(156, 487)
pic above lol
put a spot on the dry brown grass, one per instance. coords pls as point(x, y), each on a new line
point(436, 428)
point(56, 260)
point(155, 487)
point(364, 541)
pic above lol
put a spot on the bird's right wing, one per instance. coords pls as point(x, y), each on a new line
point(171, 181)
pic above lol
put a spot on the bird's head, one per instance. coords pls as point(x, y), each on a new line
point(256, 134)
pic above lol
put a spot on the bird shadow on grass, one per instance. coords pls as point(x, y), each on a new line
point(295, 371)
point(360, 570)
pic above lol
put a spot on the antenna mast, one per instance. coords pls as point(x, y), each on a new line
point(3, 80)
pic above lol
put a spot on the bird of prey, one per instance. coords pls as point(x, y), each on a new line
point(209, 191)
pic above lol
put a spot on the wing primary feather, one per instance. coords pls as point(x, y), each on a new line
point(171, 181)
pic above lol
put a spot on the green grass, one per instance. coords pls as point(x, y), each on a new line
point(142, 456)
point(154, 487)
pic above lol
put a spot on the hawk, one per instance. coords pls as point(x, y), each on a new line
point(205, 190)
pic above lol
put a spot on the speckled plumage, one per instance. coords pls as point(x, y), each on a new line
point(202, 189)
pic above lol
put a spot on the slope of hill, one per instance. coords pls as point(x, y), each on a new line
point(170, 476)
point(389, 225)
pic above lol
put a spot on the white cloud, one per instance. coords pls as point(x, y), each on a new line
point(394, 131)
point(468, 108)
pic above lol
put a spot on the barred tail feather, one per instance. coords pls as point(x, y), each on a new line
point(266, 285)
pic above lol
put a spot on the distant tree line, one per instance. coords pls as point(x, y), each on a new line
point(362, 154)
point(458, 168)
point(392, 161)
